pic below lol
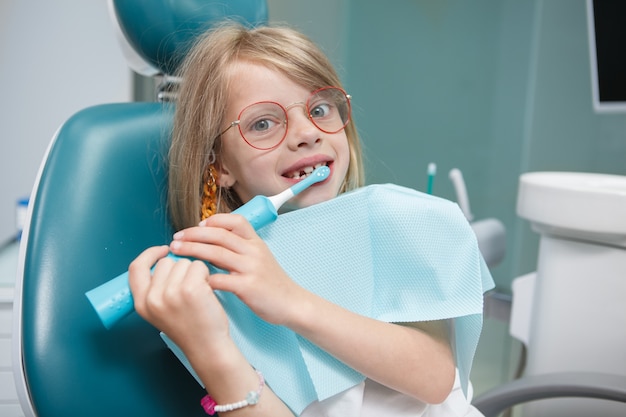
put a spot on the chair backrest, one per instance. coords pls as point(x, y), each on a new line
point(99, 200)
point(155, 35)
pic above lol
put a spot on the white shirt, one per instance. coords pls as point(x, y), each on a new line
point(371, 399)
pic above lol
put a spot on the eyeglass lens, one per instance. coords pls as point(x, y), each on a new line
point(264, 124)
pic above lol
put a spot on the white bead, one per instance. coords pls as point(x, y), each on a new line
point(251, 399)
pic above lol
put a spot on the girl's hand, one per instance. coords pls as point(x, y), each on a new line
point(229, 242)
point(177, 299)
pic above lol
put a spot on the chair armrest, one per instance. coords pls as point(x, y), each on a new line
point(554, 385)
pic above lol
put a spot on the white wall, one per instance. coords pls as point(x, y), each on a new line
point(56, 57)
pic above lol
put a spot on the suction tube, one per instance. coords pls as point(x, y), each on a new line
point(113, 299)
point(461, 192)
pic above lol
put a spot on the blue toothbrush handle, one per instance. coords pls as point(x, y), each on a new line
point(112, 300)
point(259, 212)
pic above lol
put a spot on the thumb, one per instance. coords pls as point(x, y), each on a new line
point(139, 270)
point(223, 282)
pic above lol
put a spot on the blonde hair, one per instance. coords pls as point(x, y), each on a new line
point(201, 103)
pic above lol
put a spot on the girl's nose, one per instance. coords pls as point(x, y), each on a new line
point(300, 129)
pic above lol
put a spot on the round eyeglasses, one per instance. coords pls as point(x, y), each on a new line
point(263, 125)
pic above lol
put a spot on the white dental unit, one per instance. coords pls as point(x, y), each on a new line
point(577, 320)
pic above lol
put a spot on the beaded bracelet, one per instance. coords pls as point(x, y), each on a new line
point(211, 407)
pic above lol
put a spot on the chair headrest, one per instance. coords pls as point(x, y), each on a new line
point(156, 34)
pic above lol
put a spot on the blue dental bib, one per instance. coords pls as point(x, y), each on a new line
point(382, 251)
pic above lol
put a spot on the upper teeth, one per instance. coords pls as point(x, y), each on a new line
point(304, 172)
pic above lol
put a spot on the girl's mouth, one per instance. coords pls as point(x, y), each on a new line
point(302, 173)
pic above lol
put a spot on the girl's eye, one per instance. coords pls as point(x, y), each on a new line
point(321, 110)
point(261, 118)
point(263, 125)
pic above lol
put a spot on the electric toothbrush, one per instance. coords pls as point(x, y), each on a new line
point(113, 299)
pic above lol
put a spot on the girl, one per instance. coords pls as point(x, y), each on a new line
point(257, 111)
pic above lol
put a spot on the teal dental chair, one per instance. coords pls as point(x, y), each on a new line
point(99, 200)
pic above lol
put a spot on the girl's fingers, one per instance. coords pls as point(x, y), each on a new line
point(223, 282)
point(139, 274)
point(167, 274)
point(221, 240)
point(233, 224)
point(150, 256)
point(214, 253)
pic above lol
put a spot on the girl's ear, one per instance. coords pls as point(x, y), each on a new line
point(224, 178)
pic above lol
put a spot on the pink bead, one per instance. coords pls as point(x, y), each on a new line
point(208, 403)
